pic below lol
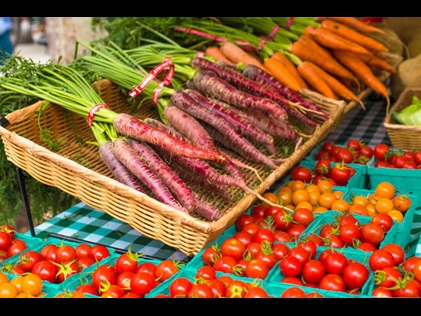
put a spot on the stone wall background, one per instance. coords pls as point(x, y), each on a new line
point(62, 33)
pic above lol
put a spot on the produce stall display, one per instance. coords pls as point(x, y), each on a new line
point(197, 114)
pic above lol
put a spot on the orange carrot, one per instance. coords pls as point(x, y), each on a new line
point(291, 67)
point(309, 73)
point(215, 52)
point(338, 87)
point(362, 72)
point(377, 62)
point(307, 49)
point(354, 23)
point(280, 72)
point(332, 40)
point(238, 55)
point(353, 35)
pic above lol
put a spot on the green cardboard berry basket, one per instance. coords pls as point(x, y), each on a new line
point(28, 240)
point(275, 276)
point(311, 157)
point(331, 216)
point(86, 276)
point(37, 247)
point(358, 180)
point(400, 232)
point(406, 181)
point(190, 274)
point(276, 290)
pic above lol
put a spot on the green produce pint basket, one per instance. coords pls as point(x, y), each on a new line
point(400, 231)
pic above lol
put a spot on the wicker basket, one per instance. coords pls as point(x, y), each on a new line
point(403, 137)
point(77, 169)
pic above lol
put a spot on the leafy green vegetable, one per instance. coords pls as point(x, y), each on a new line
point(410, 115)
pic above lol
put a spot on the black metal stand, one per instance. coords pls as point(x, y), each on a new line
point(21, 180)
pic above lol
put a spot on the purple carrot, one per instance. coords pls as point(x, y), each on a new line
point(207, 171)
point(231, 75)
point(207, 210)
point(197, 179)
point(237, 163)
point(120, 172)
point(248, 152)
point(259, 88)
point(128, 156)
point(187, 125)
point(200, 167)
point(213, 86)
point(278, 129)
point(129, 126)
point(259, 75)
point(182, 100)
point(177, 186)
point(190, 85)
point(235, 120)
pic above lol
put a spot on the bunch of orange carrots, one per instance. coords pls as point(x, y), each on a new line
point(337, 59)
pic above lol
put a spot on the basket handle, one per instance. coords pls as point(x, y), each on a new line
point(22, 113)
point(4, 122)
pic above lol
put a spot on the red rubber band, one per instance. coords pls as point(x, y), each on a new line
point(289, 22)
point(93, 110)
point(152, 76)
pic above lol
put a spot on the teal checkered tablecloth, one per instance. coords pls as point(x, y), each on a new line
point(87, 224)
point(90, 225)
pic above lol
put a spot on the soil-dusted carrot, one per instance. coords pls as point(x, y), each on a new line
point(129, 126)
point(377, 62)
point(291, 67)
point(259, 75)
point(282, 129)
point(232, 118)
point(214, 86)
point(353, 35)
point(280, 72)
point(309, 73)
point(244, 152)
point(206, 115)
point(355, 23)
point(332, 40)
point(185, 136)
point(206, 170)
point(238, 80)
point(177, 187)
point(128, 156)
point(278, 129)
point(187, 125)
point(196, 179)
point(337, 87)
point(363, 72)
point(120, 172)
point(238, 55)
point(215, 52)
point(309, 50)
point(185, 195)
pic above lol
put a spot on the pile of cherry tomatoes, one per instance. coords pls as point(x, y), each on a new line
point(9, 244)
point(387, 157)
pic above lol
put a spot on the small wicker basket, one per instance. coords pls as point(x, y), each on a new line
point(403, 137)
point(78, 170)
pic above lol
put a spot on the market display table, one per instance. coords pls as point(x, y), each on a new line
point(84, 223)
